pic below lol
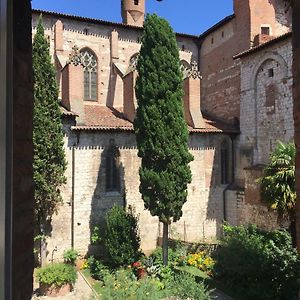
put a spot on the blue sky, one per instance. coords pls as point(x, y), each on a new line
point(187, 16)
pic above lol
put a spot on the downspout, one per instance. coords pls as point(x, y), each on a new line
point(73, 189)
point(232, 178)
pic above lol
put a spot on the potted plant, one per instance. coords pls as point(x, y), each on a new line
point(56, 279)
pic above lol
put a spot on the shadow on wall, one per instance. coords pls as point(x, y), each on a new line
point(218, 178)
point(109, 191)
point(283, 12)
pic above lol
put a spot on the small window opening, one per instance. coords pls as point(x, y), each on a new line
point(265, 30)
point(212, 40)
point(225, 163)
point(222, 34)
point(86, 31)
point(136, 2)
point(182, 47)
point(271, 72)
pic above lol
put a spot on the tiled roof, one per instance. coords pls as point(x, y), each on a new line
point(105, 117)
point(264, 45)
point(68, 113)
point(101, 118)
point(98, 21)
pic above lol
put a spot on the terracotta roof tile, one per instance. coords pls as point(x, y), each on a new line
point(264, 45)
point(105, 117)
point(110, 119)
point(66, 112)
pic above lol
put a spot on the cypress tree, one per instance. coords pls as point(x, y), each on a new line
point(161, 130)
point(49, 159)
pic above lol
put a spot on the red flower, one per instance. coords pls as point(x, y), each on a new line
point(136, 264)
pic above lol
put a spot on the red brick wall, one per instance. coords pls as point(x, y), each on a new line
point(22, 233)
point(220, 94)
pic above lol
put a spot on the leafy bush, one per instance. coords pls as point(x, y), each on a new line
point(185, 286)
point(97, 268)
point(96, 235)
point(122, 241)
point(57, 274)
point(70, 256)
point(259, 265)
point(123, 285)
point(174, 255)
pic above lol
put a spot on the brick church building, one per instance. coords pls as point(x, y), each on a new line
point(237, 101)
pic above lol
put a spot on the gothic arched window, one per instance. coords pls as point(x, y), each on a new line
point(112, 168)
point(224, 162)
point(89, 62)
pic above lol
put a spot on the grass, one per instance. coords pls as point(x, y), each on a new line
point(193, 271)
point(96, 285)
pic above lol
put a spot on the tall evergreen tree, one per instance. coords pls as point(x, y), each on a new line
point(49, 159)
point(160, 127)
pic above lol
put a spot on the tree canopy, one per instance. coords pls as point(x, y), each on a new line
point(49, 159)
point(161, 130)
point(278, 180)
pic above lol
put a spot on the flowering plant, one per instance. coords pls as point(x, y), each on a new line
point(201, 260)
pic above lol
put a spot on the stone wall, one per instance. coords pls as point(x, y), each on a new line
point(113, 45)
point(202, 213)
point(220, 93)
point(266, 103)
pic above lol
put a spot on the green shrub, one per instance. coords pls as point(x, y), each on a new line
point(123, 285)
point(97, 268)
point(185, 286)
point(70, 256)
point(174, 255)
point(122, 241)
point(57, 274)
point(96, 235)
point(259, 265)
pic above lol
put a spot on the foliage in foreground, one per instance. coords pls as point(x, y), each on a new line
point(160, 127)
point(122, 240)
point(258, 264)
point(278, 180)
point(122, 284)
point(57, 274)
point(49, 162)
point(70, 256)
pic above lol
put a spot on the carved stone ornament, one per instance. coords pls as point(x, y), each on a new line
point(194, 72)
point(132, 63)
point(75, 57)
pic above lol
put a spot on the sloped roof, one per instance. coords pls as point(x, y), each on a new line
point(68, 113)
point(264, 45)
point(100, 22)
point(102, 118)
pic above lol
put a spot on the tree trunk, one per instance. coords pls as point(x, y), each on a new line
point(165, 243)
point(296, 95)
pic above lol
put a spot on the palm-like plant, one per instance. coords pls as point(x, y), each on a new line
point(278, 181)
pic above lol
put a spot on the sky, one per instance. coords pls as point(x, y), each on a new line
point(185, 16)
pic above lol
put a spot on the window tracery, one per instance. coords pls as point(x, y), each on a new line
point(89, 63)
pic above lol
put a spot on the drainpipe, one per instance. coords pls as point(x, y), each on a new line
point(232, 178)
point(73, 189)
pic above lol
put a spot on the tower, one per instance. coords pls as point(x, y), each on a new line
point(261, 18)
point(133, 12)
